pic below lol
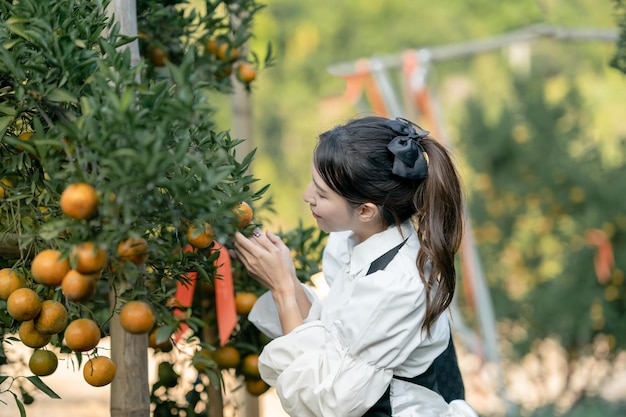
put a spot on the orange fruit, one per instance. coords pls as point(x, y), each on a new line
point(52, 317)
point(227, 357)
point(99, 371)
point(246, 72)
point(244, 301)
point(211, 46)
point(244, 214)
point(79, 287)
point(200, 238)
point(82, 335)
point(137, 317)
point(158, 56)
point(49, 267)
point(133, 250)
point(89, 258)
point(256, 387)
point(9, 282)
point(79, 201)
point(23, 304)
point(227, 53)
point(31, 337)
point(164, 346)
point(201, 358)
point(43, 362)
point(250, 365)
point(24, 136)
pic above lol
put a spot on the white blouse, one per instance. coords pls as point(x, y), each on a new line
point(341, 360)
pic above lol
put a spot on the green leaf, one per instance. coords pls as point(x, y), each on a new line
point(20, 405)
point(62, 95)
point(36, 381)
point(5, 121)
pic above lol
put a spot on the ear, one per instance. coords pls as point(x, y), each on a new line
point(368, 212)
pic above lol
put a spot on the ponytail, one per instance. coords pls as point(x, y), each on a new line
point(439, 226)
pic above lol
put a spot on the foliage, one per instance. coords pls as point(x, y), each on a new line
point(540, 188)
point(141, 133)
point(619, 59)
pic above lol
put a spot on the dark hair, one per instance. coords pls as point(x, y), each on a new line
point(354, 161)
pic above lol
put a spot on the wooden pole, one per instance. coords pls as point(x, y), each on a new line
point(130, 390)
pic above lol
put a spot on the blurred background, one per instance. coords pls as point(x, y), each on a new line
point(526, 94)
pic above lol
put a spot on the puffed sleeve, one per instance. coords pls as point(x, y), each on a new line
point(264, 314)
point(341, 366)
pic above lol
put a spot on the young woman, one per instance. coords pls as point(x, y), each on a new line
point(391, 199)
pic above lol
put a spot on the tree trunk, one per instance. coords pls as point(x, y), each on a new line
point(130, 390)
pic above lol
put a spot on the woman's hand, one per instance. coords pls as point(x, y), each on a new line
point(267, 259)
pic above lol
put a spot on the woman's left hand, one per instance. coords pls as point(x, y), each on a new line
point(267, 259)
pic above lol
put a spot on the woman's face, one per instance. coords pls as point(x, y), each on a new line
point(332, 212)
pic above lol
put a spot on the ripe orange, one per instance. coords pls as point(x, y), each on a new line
point(89, 258)
point(9, 282)
point(79, 287)
point(82, 335)
point(256, 387)
point(246, 73)
point(49, 268)
point(227, 53)
point(23, 304)
point(79, 201)
point(52, 318)
point(227, 357)
point(158, 56)
point(244, 301)
point(43, 362)
point(31, 337)
point(200, 359)
point(24, 136)
point(99, 371)
point(164, 346)
point(200, 238)
point(133, 250)
point(250, 365)
point(137, 317)
point(211, 46)
point(244, 214)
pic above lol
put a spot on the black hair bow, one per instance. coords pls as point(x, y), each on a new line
point(410, 160)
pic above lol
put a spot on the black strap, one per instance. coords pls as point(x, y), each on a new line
point(442, 376)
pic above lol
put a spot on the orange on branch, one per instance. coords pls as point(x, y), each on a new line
point(32, 337)
point(246, 73)
point(89, 258)
point(164, 346)
point(244, 301)
point(244, 214)
point(52, 317)
point(250, 365)
point(200, 237)
point(137, 317)
point(49, 267)
point(82, 335)
point(43, 362)
point(227, 357)
point(133, 250)
point(9, 282)
point(99, 371)
point(79, 287)
point(23, 304)
point(158, 56)
point(256, 387)
point(227, 53)
point(79, 201)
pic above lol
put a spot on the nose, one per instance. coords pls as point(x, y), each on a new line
point(308, 194)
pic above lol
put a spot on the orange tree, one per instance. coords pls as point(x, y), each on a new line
point(105, 165)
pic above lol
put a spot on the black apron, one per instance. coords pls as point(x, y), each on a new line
point(443, 376)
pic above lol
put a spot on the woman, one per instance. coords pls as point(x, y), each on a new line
point(391, 199)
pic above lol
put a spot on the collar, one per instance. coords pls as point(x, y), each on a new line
point(366, 252)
